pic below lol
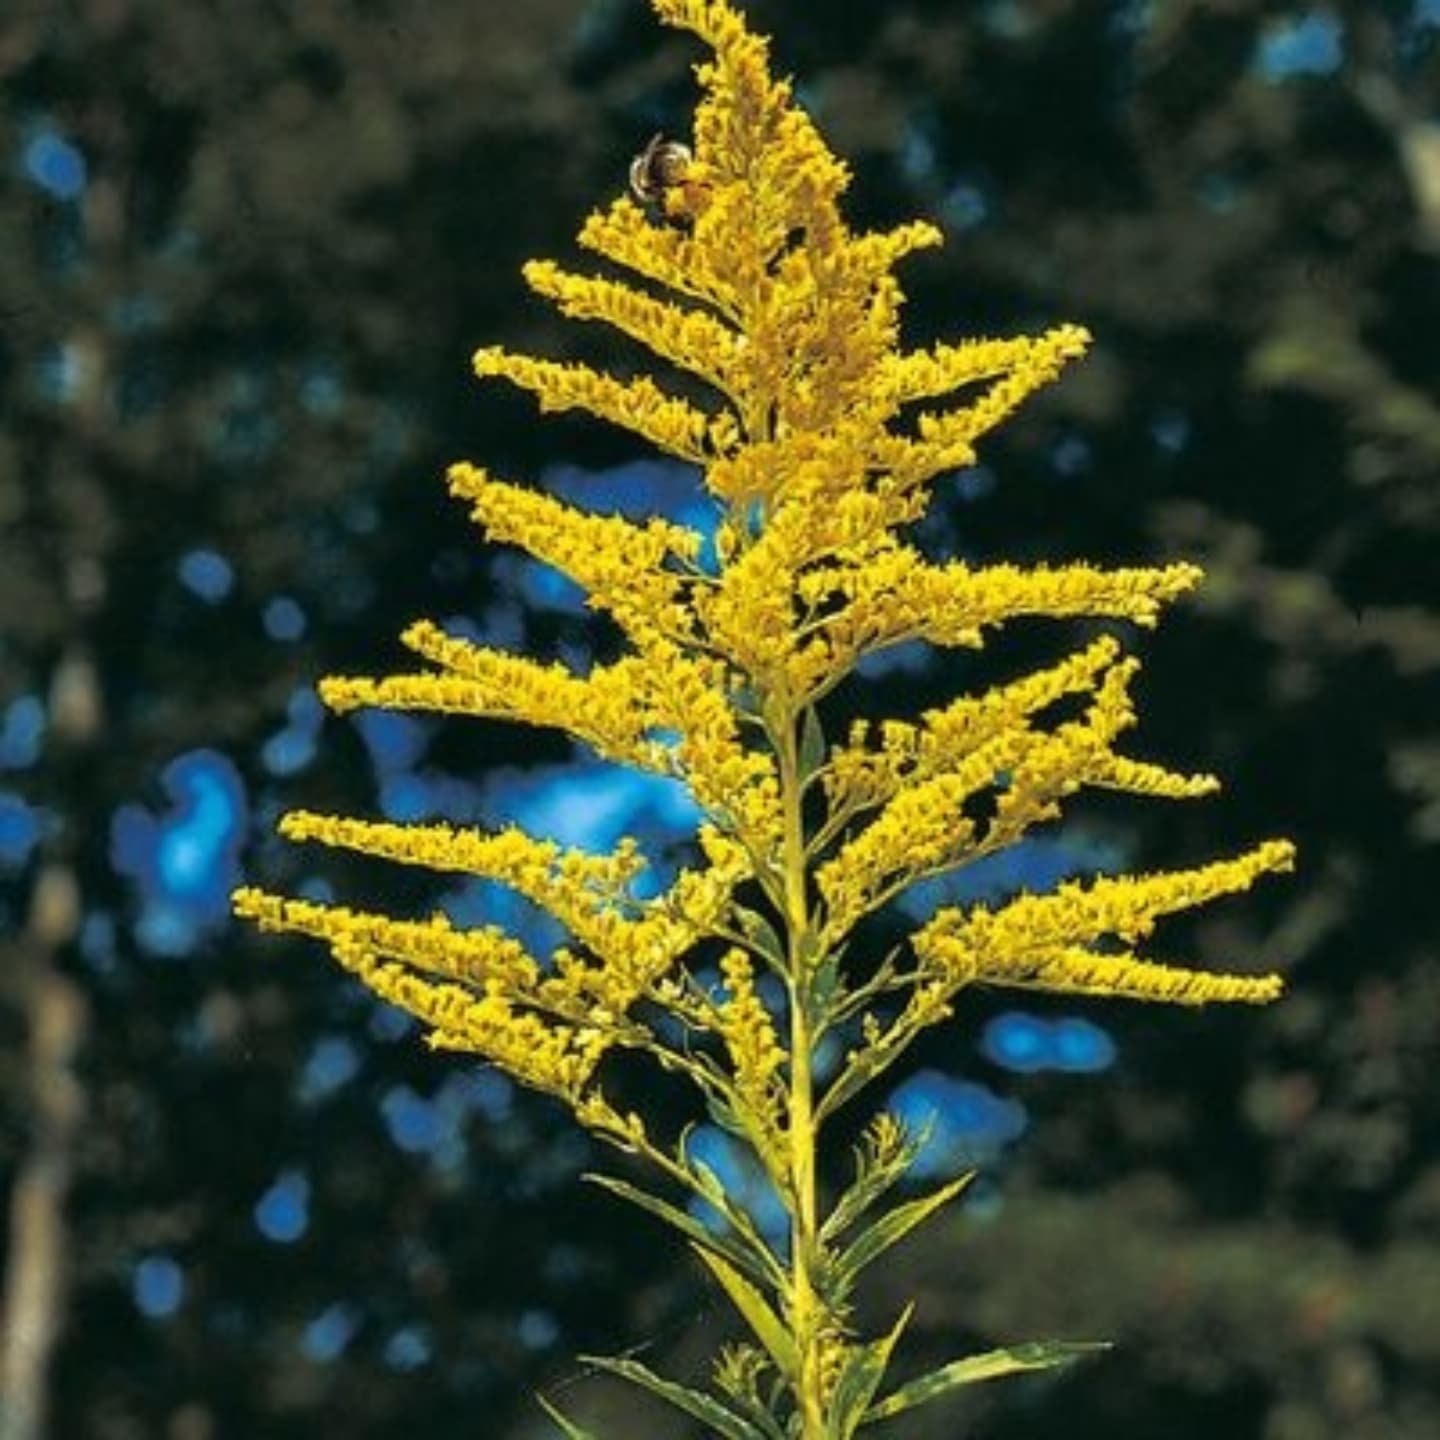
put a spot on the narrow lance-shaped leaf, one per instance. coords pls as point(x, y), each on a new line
point(891, 1227)
point(727, 1117)
point(885, 1155)
point(812, 744)
point(759, 1266)
point(860, 1378)
point(761, 934)
point(693, 1402)
point(758, 1314)
point(824, 985)
point(1035, 1355)
point(742, 1386)
point(708, 1186)
point(571, 1430)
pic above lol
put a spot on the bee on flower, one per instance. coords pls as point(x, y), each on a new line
point(666, 178)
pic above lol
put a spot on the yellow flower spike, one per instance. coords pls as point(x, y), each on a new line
point(1039, 364)
point(624, 567)
point(547, 1056)
point(606, 709)
point(640, 405)
point(688, 338)
point(476, 957)
point(921, 831)
point(901, 596)
point(925, 374)
point(859, 777)
point(820, 444)
point(625, 236)
point(743, 1023)
point(693, 696)
point(749, 616)
point(736, 126)
point(578, 888)
point(1037, 941)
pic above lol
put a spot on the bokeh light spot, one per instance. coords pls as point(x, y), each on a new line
point(283, 619)
point(55, 165)
point(332, 1063)
point(158, 1287)
point(207, 574)
point(22, 732)
point(1028, 1043)
point(411, 1120)
point(537, 1329)
point(407, 1349)
point(19, 831)
point(282, 1214)
point(327, 1335)
point(184, 861)
point(1017, 1041)
point(1312, 43)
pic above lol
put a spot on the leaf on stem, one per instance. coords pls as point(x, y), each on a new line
point(571, 1430)
point(1035, 1355)
point(891, 1227)
point(825, 986)
point(732, 1247)
point(706, 1184)
point(767, 1326)
point(886, 1151)
point(812, 745)
point(740, 1369)
point(860, 1377)
point(693, 1402)
point(762, 935)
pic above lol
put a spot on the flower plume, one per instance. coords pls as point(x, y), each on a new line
point(820, 440)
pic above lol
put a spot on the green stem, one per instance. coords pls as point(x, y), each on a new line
point(807, 1308)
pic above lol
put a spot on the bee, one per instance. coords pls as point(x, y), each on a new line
point(665, 178)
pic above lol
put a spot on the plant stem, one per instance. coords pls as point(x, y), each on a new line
point(807, 1309)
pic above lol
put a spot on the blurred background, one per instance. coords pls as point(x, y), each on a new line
point(245, 251)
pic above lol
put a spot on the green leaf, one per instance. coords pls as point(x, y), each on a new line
point(708, 1187)
point(824, 984)
point(885, 1152)
point(757, 1312)
point(687, 1225)
point(807, 947)
point(724, 1114)
point(572, 1431)
point(875, 1239)
point(739, 1369)
point(693, 1402)
point(762, 935)
point(812, 744)
point(860, 1377)
point(1035, 1355)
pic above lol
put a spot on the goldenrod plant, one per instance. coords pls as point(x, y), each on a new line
point(820, 440)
